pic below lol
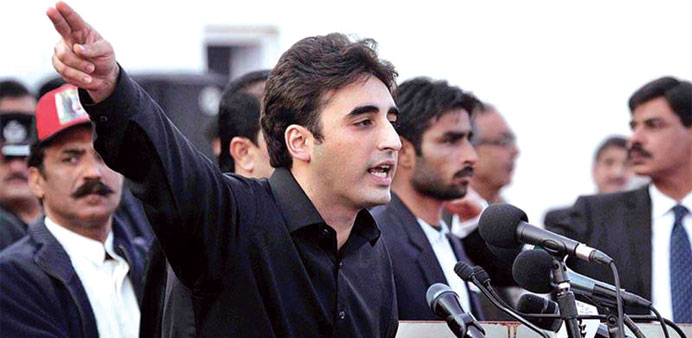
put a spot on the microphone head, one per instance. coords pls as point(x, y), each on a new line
point(481, 274)
point(532, 270)
point(498, 225)
point(534, 304)
point(434, 292)
point(464, 271)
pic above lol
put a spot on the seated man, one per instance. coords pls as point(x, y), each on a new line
point(77, 272)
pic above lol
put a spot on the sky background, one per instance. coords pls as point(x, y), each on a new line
point(560, 73)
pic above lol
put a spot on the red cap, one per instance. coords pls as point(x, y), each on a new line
point(58, 110)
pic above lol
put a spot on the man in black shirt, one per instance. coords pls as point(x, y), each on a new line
point(297, 255)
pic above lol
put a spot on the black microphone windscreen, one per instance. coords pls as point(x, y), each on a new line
point(434, 292)
point(498, 225)
point(532, 270)
point(464, 270)
point(535, 304)
point(481, 274)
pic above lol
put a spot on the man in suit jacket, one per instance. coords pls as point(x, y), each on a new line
point(78, 272)
point(646, 230)
point(435, 165)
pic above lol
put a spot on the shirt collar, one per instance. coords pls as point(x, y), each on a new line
point(662, 204)
point(296, 208)
point(77, 245)
point(432, 232)
point(298, 211)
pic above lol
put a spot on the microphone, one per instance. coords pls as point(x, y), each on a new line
point(444, 302)
point(479, 277)
point(532, 271)
point(530, 303)
point(506, 226)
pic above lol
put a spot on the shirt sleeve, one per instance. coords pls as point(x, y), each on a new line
point(193, 208)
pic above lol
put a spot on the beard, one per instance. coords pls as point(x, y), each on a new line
point(426, 181)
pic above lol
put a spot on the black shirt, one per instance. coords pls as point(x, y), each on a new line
point(257, 255)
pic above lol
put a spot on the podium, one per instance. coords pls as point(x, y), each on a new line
point(434, 329)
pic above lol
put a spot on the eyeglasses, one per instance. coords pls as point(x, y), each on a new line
point(505, 141)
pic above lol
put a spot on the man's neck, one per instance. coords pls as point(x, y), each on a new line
point(424, 207)
point(489, 194)
point(26, 210)
point(675, 186)
point(336, 213)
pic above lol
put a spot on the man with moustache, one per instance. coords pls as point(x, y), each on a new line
point(295, 255)
point(77, 272)
point(435, 165)
point(18, 206)
point(646, 231)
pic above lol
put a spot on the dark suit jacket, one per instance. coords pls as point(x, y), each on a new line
point(618, 224)
point(41, 294)
point(414, 262)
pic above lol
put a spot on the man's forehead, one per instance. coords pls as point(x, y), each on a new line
point(368, 90)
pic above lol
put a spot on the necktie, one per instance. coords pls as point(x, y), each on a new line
point(680, 269)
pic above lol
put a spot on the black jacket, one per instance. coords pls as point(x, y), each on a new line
point(41, 294)
point(619, 224)
point(415, 265)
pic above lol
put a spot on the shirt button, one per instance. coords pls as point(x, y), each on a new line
point(324, 233)
point(340, 265)
point(104, 119)
point(342, 314)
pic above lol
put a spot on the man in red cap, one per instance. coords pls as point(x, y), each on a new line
point(77, 273)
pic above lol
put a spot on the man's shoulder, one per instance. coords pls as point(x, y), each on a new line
point(17, 258)
point(613, 200)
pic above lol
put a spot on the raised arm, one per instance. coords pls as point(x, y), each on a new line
point(196, 212)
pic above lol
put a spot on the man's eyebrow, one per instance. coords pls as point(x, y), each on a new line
point(393, 110)
point(73, 151)
point(367, 109)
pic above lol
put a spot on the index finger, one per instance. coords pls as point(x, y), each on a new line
point(73, 19)
point(59, 23)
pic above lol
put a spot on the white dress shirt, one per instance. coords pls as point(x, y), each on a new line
point(105, 281)
point(662, 218)
point(447, 259)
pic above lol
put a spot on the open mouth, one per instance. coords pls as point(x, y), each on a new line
point(381, 171)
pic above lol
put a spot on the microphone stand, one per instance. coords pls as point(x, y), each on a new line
point(565, 299)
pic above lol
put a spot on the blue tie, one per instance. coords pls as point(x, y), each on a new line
point(680, 269)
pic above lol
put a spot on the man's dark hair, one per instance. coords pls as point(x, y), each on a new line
point(613, 141)
point(421, 100)
point(239, 114)
point(677, 93)
point(13, 89)
point(297, 88)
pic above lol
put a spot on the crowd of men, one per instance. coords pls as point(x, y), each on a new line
point(338, 198)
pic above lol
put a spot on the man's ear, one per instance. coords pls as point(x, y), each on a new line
point(36, 182)
point(407, 154)
point(239, 149)
point(299, 141)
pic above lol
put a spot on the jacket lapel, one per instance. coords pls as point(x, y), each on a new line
point(638, 226)
point(426, 260)
point(54, 261)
